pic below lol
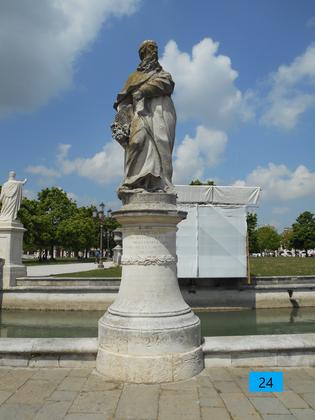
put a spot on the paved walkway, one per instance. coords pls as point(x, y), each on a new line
point(215, 394)
point(50, 269)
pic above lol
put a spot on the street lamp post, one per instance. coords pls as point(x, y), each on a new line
point(108, 233)
point(100, 216)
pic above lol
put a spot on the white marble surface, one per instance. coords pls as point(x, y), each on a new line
point(260, 350)
point(11, 197)
point(11, 240)
point(48, 345)
point(145, 125)
point(288, 342)
point(149, 334)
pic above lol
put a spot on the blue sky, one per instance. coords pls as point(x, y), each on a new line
point(245, 94)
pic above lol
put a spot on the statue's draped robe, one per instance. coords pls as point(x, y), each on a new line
point(148, 153)
point(10, 197)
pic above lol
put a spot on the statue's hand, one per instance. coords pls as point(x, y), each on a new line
point(137, 96)
point(138, 102)
point(25, 181)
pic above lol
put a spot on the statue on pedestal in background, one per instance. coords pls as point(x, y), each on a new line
point(11, 197)
point(11, 231)
point(145, 125)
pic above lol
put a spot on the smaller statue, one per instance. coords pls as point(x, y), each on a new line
point(11, 197)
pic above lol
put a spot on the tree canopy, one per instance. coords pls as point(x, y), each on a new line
point(54, 220)
point(268, 238)
point(286, 238)
point(198, 182)
point(303, 231)
point(251, 220)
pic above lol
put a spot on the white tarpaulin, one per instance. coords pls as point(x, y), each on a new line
point(211, 242)
point(217, 195)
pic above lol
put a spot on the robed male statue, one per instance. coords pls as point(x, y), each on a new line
point(11, 197)
point(145, 125)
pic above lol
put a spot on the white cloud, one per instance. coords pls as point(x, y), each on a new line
point(292, 91)
point(43, 171)
point(195, 155)
point(40, 42)
point(192, 158)
point(102, 168)
point(279, 182)
point(204, 84)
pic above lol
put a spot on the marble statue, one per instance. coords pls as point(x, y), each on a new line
point(11, 197)
point(149, 334)
point(145, 125)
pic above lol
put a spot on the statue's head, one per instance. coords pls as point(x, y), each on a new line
point(148, 49)
point(12, 175)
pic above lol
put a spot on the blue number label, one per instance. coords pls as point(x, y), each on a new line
point(265, 381)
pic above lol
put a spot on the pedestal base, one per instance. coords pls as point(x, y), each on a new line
point(11, 273)
point(149, 369)
point(11, 248)
point(149, 334)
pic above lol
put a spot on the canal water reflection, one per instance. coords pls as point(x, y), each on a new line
point(219, 323)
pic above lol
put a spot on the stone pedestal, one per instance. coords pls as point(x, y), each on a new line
point(11, 249)
point(149, 334)
point(117, 251)
point(117, 254)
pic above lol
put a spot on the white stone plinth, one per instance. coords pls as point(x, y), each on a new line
point(11, 248)
point(117, 254)
point(149, 334)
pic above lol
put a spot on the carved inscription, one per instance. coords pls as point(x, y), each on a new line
point(149, 245)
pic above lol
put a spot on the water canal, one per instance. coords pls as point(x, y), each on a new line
point(218, 323)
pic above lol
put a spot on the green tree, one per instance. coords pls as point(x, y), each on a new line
point(79, 231)
point(198, 182)
point(286, 238)
point(304, 231)
point(251, 220)
point(268, 238)
point(54, 206)
point(54, 220)
point(28, 214)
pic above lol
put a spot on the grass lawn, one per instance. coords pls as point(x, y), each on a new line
point(260, 266)
point(282, 266)
point(99, 272)
point(58, 261)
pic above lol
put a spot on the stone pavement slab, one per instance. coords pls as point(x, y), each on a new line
point(309, 397)
point(53, 410)
point(208, 413)
point(303, 413)
point(72, 383)
point(18, 411)
point(14, 378)
point(104, 402)
point(269, 405)
point(292, 400)
point(218, 394)
point(144, 400)
point(32, 392)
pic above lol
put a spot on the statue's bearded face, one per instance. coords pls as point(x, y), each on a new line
point(148, 53)
point(149, 50)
